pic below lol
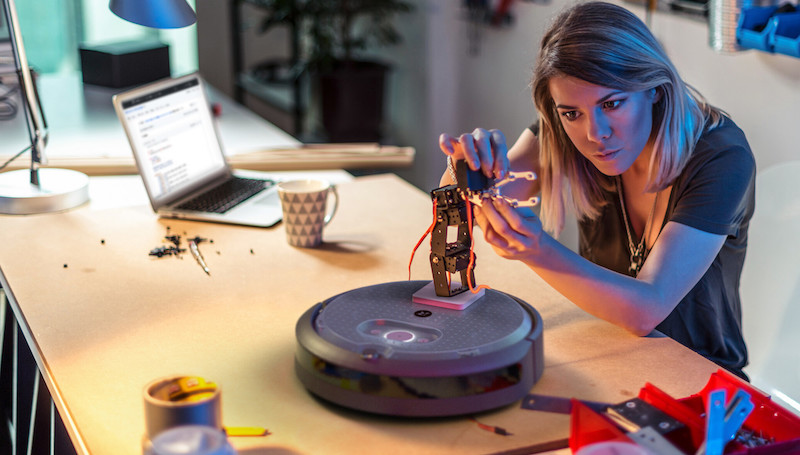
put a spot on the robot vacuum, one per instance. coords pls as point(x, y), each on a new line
point(373, 349)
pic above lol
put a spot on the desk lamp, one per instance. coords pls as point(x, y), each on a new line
point(38, 190)
point(49, 190)
point(154, 13)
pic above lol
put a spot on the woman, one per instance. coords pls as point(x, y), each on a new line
point(661, 182)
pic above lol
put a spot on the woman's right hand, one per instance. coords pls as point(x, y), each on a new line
point(483, 149)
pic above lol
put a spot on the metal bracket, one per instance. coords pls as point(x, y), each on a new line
point(494, 191)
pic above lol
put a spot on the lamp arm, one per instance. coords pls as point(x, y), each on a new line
point(37, 126)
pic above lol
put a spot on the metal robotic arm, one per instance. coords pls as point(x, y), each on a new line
point(452, 209)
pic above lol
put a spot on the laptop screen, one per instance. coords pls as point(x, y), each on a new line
point(173, 137)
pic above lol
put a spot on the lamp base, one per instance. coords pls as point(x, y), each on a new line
point(60, 189)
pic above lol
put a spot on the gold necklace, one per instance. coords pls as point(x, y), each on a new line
point(638, 252)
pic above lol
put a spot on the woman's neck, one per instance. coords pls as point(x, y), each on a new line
point(636, 177)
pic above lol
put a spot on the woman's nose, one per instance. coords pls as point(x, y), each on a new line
point(599, 128)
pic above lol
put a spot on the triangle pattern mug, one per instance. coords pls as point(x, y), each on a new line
point(306, 210)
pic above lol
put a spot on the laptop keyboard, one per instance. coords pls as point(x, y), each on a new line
point(226, 196)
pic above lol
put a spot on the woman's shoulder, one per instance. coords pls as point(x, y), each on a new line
point(725, 141)
point(726, 133)
point(721, 155)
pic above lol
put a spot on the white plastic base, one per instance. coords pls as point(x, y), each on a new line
point(427, 296)
point(59, 189)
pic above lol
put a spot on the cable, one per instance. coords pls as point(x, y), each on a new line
point(8, 110)
point(430, 229)
point(8, 107)
point(15, 157)
point(471, 265)
point(494, 429)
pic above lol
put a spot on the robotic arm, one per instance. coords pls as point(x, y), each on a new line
point(452, 203)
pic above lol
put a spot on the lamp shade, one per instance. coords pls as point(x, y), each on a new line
point(155, 13)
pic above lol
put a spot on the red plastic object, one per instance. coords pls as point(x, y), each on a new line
point(588, 427)
point(768, 419)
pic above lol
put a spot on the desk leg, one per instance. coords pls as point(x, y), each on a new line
point(31, 423)
point(7, 378)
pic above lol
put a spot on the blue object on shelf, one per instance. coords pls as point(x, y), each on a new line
point(785, 35)
point(753, 29)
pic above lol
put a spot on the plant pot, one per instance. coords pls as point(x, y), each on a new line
point(351, 101)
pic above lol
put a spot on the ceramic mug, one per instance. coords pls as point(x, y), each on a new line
point(306, 211)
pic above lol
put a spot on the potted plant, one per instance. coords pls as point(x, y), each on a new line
point(331, 37)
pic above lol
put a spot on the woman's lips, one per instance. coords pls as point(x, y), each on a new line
point(606, 155)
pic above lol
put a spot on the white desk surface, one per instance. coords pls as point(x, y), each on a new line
point(115, 319)
point(85, 134)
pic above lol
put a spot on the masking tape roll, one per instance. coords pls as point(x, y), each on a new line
point(181, 400)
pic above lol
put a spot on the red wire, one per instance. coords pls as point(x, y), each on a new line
point(492, 428)
point(430, 229)
point(471, 265)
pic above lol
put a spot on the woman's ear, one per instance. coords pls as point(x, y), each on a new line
point(655, 94)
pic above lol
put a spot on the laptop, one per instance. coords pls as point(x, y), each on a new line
point(171, 131)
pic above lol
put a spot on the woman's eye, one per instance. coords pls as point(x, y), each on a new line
point(612, 104)
point(570, 115)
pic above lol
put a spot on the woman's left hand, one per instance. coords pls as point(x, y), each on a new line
point(511, 235)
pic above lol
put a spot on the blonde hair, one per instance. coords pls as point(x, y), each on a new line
point(605, 44)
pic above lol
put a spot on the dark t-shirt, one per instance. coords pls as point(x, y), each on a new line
point(715, 193)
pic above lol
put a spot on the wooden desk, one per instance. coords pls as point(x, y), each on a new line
point(115, 318)
point(86, 135)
